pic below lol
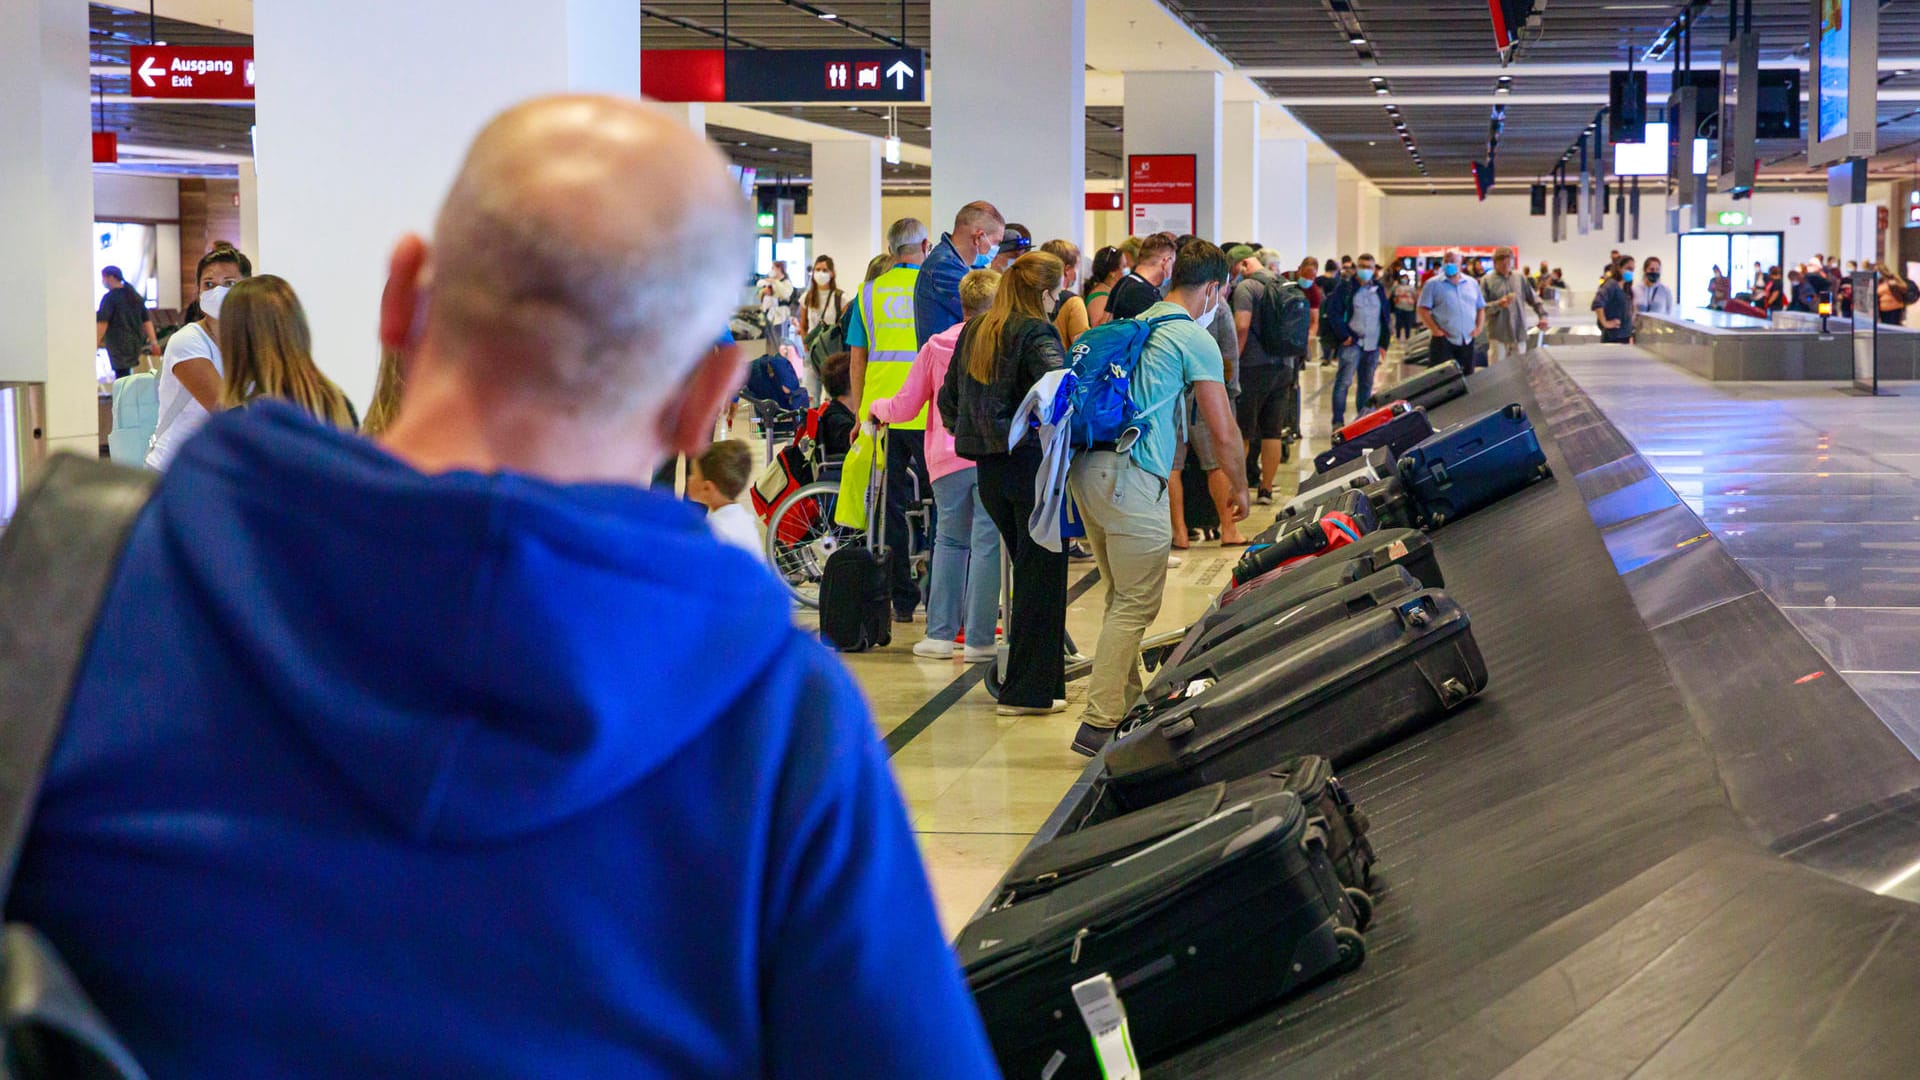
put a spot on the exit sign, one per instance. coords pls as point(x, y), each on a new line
point(1731, 217)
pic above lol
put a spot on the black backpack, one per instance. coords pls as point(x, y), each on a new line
point(1283, 318)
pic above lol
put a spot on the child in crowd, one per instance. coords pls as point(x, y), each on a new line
point(838, 421)
point(716, 480)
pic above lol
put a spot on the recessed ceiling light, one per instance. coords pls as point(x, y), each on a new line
point(1380, 90)
point(1356, 40)
point(1371, 142)
point(828, 15)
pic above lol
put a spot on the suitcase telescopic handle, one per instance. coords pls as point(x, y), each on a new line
point(877, 488)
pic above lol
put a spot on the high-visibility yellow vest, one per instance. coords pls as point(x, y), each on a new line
point(886, 309)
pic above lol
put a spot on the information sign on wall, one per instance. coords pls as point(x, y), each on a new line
point(170, 71)
point(784, 75)
point(1161, 193)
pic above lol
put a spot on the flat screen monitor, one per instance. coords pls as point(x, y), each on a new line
point(1844, 56)
point(1627, 106)
point(1777, 108)
point(1647, 158)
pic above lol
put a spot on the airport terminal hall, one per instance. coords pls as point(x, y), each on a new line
point(1045, 539)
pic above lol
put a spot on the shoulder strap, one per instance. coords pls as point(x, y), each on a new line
point(57, 559)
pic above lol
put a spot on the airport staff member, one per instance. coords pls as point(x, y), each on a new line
point(883, 344)
point(1453, 311)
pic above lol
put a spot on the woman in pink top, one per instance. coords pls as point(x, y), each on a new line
point(966, 551)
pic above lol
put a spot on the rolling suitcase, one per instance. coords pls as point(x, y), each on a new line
point(1435, 386)
point(1396, 436)
point(1355, 688)
point(856, 602)
point(1472, 464)
point(1112, 833)
point(1328, 530)
point(1359, 472)
point(1393, 507)
point(1288, 591)
point(1371, 420)
point(1193, 931)
point(1377, 551)
point(1235, 643)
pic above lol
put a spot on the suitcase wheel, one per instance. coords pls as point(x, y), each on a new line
point(1362, 905)
point(1515, 412)
point(1546, 472)
point(1353, 949)
point(1453, 692)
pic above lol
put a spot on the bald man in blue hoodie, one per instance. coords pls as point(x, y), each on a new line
point(464, 755)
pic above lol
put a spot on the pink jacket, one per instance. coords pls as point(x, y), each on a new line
point(924, 379)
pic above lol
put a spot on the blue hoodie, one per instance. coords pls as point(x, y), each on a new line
point(375, 774)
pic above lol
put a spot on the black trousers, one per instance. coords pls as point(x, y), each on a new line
point(1269, 408)
point(1037, 622)
point(1442, 350)
point(123, 363)
point(906, 463)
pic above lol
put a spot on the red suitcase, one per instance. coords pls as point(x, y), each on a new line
point(1367, 422)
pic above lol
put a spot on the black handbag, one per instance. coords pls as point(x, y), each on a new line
point(57, 559)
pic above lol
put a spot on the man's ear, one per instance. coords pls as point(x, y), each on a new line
point(686, 424)
point(403, 301)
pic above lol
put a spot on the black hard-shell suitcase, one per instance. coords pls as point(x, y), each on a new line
point(1370, 466)
point(1374, 551)
point(1393, 506)
point(1234, 643)
point(1195, 930)
point(856, 602)
point(1395, 436)
point(1354, 689)
point(1472, 464)
point(1306, 539)
point(1435, 386)
point(1112, 832)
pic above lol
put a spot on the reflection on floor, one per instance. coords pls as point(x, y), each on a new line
point(1814, 491)
point(977, 785)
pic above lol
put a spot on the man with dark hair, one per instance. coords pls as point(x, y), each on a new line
point(1141, 287)
point(977, 231)
point(1121, 492)
point(121, 323)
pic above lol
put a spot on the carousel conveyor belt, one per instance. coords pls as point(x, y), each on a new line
point(1564, 887)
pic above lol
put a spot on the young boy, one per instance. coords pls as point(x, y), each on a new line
point(715, 481)
point(837, 423)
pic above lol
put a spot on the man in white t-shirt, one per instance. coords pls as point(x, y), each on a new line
point(191, 370)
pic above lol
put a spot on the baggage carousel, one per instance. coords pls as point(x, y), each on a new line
point(1649, 848)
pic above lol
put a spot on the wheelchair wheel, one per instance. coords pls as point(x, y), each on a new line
point(801, 534)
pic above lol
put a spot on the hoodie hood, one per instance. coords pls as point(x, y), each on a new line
point(480, 656)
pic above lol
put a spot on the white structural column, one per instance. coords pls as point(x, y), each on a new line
point(1178, 112)
point(846, 205)
point(691, 113)
point(1240, 171)
point(1283, 197)
point(1323, 210)
point(46, 210)
point(250, 211)
point(366, 116)
point(1347, 224)
point(1009, 107)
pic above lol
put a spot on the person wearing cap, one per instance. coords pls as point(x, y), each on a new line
point(1016, 242)
point(1506, 289)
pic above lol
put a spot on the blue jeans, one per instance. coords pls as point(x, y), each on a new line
point(1356, 365)
point(966, 563)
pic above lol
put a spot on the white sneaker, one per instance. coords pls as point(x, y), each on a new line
point(978, 656)
point(1059, 706)
point(934, 649)
point(1173, 560)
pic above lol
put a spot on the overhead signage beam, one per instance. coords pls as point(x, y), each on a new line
point(744, 76)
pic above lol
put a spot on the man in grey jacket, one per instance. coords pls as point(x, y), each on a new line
point(1506, 289)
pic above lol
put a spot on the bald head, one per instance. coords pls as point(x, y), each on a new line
point(587, 253)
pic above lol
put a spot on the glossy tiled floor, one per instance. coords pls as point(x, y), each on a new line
point(977, 785)
point(1814, 491)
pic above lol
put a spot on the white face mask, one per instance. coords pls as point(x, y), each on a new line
point(1206, 318)
point(822, 278)
point(211, 300)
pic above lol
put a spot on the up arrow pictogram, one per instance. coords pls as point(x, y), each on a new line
point(899, 73)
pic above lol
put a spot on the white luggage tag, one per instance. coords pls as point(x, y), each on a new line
point(1106, 1020)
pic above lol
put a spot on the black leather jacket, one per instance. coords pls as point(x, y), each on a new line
point(978, 415)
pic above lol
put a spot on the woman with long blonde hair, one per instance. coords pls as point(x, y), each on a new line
point(997, 359)
point(269, 353)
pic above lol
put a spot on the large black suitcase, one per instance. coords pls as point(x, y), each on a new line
point(1195, 930)
point(1395, 436)
point(1472, 464)
point(1435, 386)
point(1352, 690)
point(856, 603)
point(1376, 551)
point(1233, 643)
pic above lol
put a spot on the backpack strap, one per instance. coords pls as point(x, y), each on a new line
point(57, 560)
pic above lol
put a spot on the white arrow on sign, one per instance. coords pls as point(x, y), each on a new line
point(899, 73)
point(148, 72)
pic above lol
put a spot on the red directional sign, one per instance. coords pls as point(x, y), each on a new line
point(168, 71)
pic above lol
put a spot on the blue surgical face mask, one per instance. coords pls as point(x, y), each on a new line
point(1626, 276)
point(981, 262)
point(1450, 269)
point(1366, 273)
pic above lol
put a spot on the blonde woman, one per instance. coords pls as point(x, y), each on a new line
point(269, 353)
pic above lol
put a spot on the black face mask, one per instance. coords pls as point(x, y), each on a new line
point(1653, 277)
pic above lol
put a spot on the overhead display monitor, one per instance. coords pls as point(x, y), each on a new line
point(1648, 158)
point(1739, 116)
point(1627, 106)
point(1845, 59)
point(1777, 111)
